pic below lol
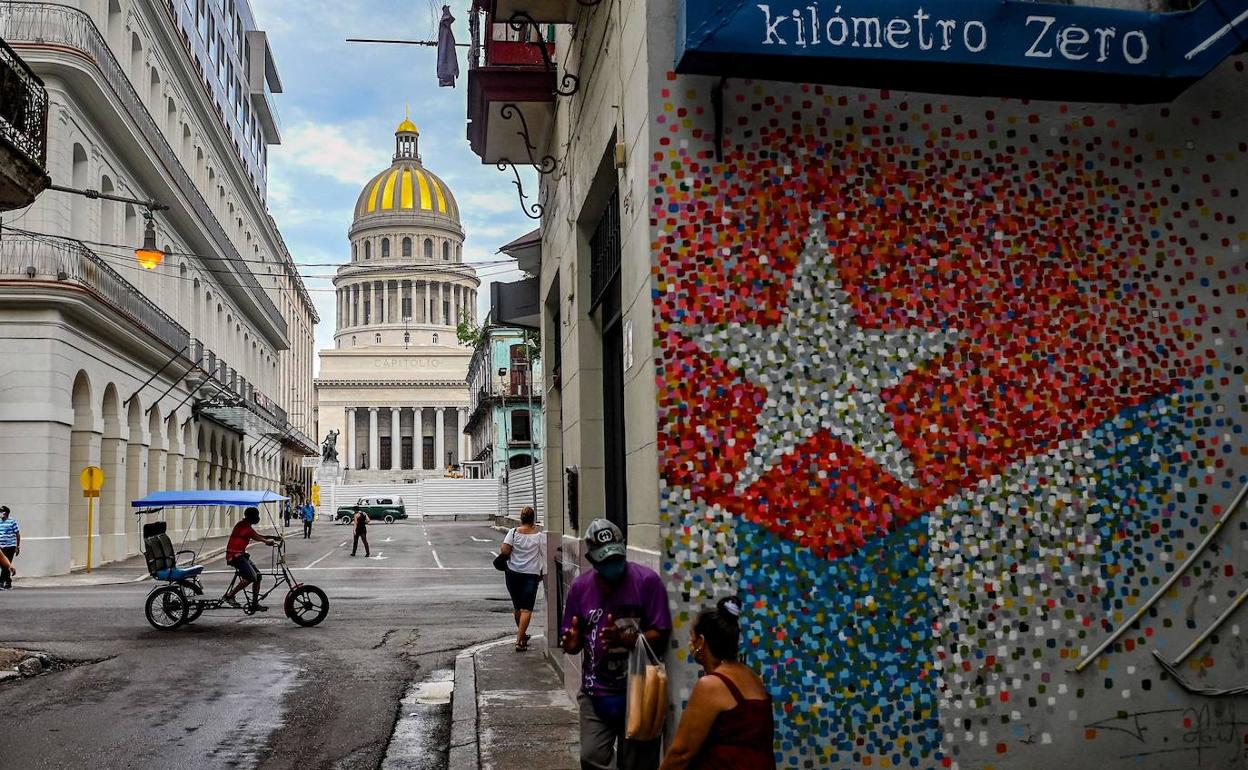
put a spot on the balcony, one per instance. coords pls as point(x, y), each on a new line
point(23, 132)
point(546, 11)
point(262, 82)
point(29, 262)
point(511, 88)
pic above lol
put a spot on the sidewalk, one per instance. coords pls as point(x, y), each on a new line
point(129, 570)
point(509, 710)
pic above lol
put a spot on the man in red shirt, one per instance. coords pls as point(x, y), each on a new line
point(236, 556)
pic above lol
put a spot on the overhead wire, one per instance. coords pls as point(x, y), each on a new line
point(123, 260)
point(224, 259)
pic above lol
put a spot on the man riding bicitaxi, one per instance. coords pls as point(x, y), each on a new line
point(237, 557)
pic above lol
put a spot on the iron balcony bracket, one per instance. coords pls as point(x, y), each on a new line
point(569, 84)
point(531, 210)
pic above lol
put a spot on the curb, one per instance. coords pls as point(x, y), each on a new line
point(465, 753)
point(465, 750)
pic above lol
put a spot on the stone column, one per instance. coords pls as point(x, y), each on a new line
point(439, 438)
point(463, 437)
point(428, 303)
point(136, 478)
point(373, 439)
point(396, 441)
point(189, 466)
point(441, 314)
point(114, 508)
point(350, 458)
point(418, 438)
point(406, 288)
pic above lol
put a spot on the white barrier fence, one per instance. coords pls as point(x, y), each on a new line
point(515, 492)
point(431, 498)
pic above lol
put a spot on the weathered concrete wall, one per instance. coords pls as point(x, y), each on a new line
point(947, 387)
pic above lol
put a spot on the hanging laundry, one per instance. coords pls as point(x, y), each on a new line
point(448, 63)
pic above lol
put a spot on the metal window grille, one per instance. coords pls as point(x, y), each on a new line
point(604, 249)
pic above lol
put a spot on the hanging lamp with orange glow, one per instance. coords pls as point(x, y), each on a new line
point(148, 256)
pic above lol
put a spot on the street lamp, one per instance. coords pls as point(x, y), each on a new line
point(407, 337)
point(148, 255)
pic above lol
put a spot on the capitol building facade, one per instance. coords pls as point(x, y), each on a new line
point(394, 384)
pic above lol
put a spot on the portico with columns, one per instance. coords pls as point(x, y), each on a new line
point(395, 383)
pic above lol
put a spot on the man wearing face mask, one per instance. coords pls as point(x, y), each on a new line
point(604, 612)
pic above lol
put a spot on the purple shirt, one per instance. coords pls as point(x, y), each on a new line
point(640, 601)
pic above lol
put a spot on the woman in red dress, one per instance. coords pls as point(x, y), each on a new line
point(728, 724)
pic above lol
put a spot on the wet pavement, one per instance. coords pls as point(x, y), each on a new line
point(233, 691)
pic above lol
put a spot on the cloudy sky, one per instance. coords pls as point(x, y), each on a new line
point(339, 110)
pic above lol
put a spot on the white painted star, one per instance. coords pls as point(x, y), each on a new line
point(821, 370)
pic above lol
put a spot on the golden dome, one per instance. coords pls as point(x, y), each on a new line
point(407, 185)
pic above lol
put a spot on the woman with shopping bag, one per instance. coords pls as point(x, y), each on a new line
point(728, 724)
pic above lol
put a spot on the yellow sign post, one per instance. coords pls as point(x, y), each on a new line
point(316, 495)
point(92, 479)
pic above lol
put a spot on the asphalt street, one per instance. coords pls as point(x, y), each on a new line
point(235, 691)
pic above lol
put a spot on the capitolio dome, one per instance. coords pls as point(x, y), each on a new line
point(406, 186)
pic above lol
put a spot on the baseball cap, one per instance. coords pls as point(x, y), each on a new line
point(603, 540)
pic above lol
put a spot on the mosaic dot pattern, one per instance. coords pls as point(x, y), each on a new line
point(945, 391)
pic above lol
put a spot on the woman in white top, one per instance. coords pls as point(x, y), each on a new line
point(525, 549)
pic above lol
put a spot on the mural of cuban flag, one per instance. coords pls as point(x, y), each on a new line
point(947, 387)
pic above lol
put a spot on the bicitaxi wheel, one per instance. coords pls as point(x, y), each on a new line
point(306, 605)
point(167, 608)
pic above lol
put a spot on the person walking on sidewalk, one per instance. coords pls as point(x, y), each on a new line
point(728, 724)
point(361, 532)
point(525, 549)
point(308, 513)
point(607, 608)
point(10, 546)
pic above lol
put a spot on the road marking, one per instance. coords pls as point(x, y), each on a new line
point(343, 544)
point(437, 560)
point(399, 569)
point(318, 561)
point(378, 557)
point(388, 540)
point(481, 540)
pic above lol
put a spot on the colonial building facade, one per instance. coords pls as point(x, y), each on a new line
point(393, 385)
point(184, 375)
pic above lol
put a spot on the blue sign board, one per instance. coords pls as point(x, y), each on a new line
point(989, 47)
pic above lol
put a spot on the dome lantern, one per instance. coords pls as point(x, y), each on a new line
point(406, 140)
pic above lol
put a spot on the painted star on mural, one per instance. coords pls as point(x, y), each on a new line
point(821, 370)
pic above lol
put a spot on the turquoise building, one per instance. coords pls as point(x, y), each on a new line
point(504, 423)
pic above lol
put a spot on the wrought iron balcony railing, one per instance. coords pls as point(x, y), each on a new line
point(26, 258)
point(23, 107)
point(63, 26)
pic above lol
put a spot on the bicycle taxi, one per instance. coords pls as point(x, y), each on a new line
point(180, 599)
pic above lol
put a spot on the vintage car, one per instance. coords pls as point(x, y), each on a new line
point(385, 509)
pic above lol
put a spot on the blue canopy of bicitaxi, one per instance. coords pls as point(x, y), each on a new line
point(222, 497)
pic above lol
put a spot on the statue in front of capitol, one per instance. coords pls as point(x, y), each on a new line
point(329, 447)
